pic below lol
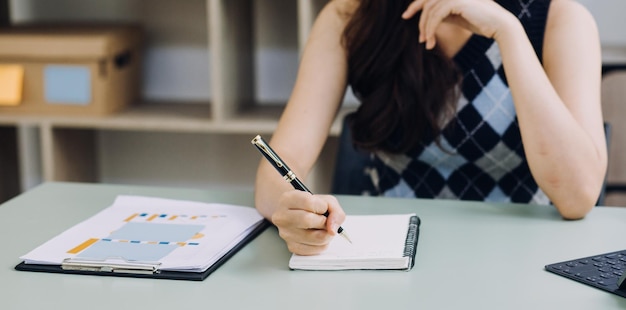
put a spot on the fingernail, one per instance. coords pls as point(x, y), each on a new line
point(334, 227)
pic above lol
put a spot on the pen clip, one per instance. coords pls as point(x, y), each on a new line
point(261, 145)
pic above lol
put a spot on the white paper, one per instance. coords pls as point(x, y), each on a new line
point(378, 242)
point(177, 235)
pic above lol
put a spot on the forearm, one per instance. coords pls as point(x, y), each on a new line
point(304, 125)
point(563, 157)
point(269, 186)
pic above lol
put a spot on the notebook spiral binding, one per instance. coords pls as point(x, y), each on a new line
point(410, 245)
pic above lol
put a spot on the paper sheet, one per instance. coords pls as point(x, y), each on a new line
point(180, 235)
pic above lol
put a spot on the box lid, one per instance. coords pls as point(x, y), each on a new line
point(76, 41)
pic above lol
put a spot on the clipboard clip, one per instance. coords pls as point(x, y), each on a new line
point(113, 264)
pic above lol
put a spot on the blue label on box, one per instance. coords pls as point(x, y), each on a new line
point(67, 84)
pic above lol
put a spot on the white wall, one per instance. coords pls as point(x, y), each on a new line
point(609, 15)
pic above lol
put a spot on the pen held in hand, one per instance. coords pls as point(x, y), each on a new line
point(287, 174)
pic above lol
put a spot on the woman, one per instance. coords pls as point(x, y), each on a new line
point(495, 100)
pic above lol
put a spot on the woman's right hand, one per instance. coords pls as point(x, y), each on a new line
point(301, 223)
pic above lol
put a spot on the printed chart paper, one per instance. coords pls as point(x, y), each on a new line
point(178, 235)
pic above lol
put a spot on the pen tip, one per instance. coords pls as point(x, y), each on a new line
point(345, 236)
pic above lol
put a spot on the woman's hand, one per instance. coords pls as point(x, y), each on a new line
point(482, 17)
point(300, 221)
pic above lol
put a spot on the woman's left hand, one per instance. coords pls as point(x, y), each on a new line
point(482, 17)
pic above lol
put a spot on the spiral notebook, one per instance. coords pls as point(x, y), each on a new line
point(379, 242)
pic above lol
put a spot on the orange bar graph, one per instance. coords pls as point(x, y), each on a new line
point(130, 217)
point(82, 246)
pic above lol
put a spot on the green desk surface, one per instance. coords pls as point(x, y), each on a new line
point(471, 255)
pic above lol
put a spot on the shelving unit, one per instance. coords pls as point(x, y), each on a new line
point(9, 176)
point(207, 91)
point(213, 131)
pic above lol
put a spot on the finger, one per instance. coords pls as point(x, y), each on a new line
point(336, 215)
point(309, 220)
point(321, 204)
point(305, 249)
point(315, 204)
point(312, 237)
point(426, 8)
point(298, 219)
point(299, 200)
point(435, 16)
point(300, 211)
point(412, 9)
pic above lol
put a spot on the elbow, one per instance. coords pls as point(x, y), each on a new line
point(575, 197)
point(576, 209)
point(577, 206)
point(575, 214)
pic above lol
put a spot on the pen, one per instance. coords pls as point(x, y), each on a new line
point(287, 174)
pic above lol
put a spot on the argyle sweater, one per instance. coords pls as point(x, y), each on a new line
point(482, 156)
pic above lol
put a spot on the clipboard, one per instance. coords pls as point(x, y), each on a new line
point(123, 240)
point(138, 270)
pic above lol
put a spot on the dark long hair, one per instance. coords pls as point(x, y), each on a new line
point(405, 90)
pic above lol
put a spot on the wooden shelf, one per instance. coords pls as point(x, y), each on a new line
point(145, 116)
point(76, 148)
point(169, 117)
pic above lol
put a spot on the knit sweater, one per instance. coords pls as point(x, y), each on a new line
point(480, 155)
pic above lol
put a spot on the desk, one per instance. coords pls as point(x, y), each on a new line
point(471, 255)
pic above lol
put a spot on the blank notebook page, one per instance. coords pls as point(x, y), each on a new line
point(378, 242)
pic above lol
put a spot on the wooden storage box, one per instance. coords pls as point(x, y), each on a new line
point(69, 70)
